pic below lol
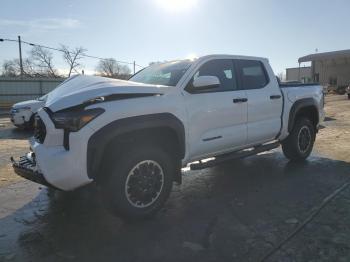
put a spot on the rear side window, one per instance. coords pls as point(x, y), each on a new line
point(252, 73)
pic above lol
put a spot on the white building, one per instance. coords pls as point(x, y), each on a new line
point(329, 69)
point(302, 74)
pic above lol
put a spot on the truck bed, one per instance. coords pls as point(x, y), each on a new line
point(293, 92)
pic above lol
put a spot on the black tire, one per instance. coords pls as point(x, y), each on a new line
point(348, 96)
point(299, 143)
point(123, 202)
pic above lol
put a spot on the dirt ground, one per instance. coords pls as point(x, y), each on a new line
point(13, 142)
point(262, 208)
point(333, 141)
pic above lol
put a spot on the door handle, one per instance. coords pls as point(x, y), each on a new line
point(240, 100)
point(275, 97)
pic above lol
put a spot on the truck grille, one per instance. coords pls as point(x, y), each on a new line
point(39, 130)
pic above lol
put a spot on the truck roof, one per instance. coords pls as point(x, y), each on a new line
point(221, 56)
point(217, 56)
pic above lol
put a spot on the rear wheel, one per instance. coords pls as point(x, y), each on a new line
point(348, 96)
point(140, 182)
point(299, 144)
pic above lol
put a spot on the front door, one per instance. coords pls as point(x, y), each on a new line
point(217, 117)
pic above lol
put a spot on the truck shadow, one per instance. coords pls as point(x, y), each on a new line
point(233, 211)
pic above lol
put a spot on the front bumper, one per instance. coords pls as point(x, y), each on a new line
point(26, 168)
point(64, 169)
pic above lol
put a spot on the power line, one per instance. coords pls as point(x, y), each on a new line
point(60, 50)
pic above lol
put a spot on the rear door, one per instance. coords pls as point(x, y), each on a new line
point(265, 100)
point(217, 117)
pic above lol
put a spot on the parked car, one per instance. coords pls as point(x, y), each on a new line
point(348, 91)
point(132, 137)
point(22, 113)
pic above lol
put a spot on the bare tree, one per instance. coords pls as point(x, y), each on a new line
point(12, 68)
point(29, 68)
point(9, 68)
point(111, 68)
point(72, 57)
point(43, 59)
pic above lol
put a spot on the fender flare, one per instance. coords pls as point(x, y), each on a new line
point(297, 106)
point(101, 138)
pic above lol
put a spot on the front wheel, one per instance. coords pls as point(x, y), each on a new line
point(299, 144)
point(140, 182)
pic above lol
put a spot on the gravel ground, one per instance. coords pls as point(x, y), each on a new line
point(262, 208)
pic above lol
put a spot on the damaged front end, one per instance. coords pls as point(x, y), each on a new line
point(26, 168)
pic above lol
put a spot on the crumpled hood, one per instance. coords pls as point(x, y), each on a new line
point(80, 89)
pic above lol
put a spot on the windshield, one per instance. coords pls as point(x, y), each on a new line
point(167, 74)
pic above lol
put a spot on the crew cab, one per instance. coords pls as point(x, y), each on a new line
point(133, 137)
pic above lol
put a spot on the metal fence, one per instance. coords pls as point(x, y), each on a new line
point(14, 90)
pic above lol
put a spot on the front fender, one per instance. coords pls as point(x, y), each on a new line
point(101, 139)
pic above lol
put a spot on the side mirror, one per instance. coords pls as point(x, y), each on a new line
point(206, 82)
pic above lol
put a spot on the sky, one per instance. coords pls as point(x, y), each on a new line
point(158, 30)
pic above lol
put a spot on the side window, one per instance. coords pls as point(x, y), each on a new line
point(222, 69)
point(253, 74)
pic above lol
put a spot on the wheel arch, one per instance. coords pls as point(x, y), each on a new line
point(304, 107)
point(164, 128)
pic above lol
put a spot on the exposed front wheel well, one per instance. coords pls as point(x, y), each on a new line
point(163, 137)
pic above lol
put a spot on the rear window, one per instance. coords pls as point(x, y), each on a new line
point(253, 74)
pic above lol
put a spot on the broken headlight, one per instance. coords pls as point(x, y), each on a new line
point(74, 120)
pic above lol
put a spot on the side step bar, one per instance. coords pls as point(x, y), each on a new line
point(235, 155)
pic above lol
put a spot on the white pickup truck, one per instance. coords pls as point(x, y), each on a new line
point(132, 137)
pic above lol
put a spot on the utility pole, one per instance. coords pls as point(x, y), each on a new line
point(20, 54)
point(134, 67)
